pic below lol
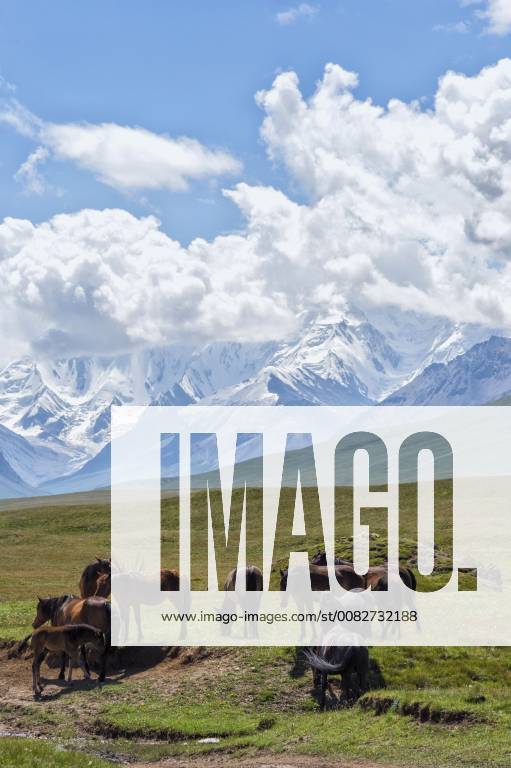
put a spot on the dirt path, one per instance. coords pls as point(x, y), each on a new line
point(262, 761)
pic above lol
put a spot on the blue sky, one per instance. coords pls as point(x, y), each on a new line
point(192, 68)
point(147, 197)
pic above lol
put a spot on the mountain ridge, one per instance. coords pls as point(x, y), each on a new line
point(61, 408)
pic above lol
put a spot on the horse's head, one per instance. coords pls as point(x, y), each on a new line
point(104, 565)
point(103, 585)
point(43, 611)
point(319, 558)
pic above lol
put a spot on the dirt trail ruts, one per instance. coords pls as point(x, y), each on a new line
point(261, 761)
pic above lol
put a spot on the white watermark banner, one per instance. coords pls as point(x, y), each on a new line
point(311, 525)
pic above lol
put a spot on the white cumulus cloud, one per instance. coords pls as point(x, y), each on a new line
point(400, 205)
point(496, 14)
point(106, 281)
point(398, 194)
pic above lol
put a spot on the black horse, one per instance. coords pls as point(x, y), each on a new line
point(350, 662)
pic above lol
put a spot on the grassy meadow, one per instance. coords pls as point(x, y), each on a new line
point(441, 707)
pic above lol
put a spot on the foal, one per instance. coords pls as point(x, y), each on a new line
point(70, 638)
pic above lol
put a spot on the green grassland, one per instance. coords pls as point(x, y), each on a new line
point(441, 707)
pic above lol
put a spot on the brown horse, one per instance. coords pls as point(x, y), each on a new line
point(347, 661)
point(169, 582)
point(69, 639)
point(89, 577)
point(344, 574)
point(67, 609)
point(253, 579)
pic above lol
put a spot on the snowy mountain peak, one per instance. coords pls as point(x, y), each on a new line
point(481, 375)
point(60, 409)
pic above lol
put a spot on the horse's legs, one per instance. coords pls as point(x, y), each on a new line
point(104, 658)
point(324, 685)
point(84, 663)
point(36, 672)
point(70, 668)
point(362, 681)
point(62, 673)
point(42, 656)
point(33, 678)
point(35, 686)
point(345, 685)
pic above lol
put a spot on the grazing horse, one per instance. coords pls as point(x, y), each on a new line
point(377, 578)
point(89, 577)
point(253, 579)
point(69, 639)
point(345, 575)
point(347, 661)
point(320, 559)
point(67, 609)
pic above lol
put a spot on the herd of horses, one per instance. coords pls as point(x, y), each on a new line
point(68, 624)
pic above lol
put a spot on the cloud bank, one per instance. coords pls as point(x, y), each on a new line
point(404, 206)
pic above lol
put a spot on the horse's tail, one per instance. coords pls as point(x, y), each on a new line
point(18, 650)
point(412, 579)
point(254, 579)
point(230, 582)
point(322, 665)
point(108, 608)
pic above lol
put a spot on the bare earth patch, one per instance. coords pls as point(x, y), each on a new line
point(262, 761)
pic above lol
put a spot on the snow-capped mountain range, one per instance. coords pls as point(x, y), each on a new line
point(55, 415)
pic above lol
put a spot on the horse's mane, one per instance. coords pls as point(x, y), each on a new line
point(53, 604)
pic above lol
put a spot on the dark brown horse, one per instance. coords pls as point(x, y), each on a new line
point(320, 559)
point(169, 580)
point(348, 661)
point(253, 579)
point(344, 574)
point(70, 640)
point(90, 575)
point(68, 609)
point(376, 577)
